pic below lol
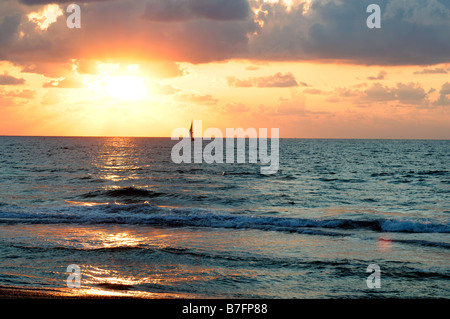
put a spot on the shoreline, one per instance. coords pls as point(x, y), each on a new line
point(21, 293)
point(87, 294)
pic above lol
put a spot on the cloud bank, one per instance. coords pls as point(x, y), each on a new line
point(413, 32)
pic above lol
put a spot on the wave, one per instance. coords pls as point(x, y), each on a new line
point(148, 214)
point(122, 192)
point(425, 243)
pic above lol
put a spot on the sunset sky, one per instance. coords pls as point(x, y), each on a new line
point(145, 67)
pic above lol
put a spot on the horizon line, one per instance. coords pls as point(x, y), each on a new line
point(292, 138)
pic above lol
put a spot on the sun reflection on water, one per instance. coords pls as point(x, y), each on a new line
point(117, 159)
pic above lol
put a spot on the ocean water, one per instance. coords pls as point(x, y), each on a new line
point(136, 224)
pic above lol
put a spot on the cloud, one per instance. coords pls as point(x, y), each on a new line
point(410, 94)
point(65, 83)
point(35, 2)
point(430, 12)
point(235, 82)
point(381, 76)
point(445, 88)
point(414, 32)
point(432, 71)
point(48, 69)
point(16, 97)
point(119, 30)
point(206, 99)
point(378, 92)
point(444, 95)
point(344, 92)
point(406, 94)
point(8, 28)
point(277, 80)
point(155, 69)
point(314, 91)
point(182, 10)
point(6, 79)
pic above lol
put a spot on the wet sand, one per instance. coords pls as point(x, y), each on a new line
point(23, 293)
point(17, 293)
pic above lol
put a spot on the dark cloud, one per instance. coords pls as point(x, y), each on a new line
point(8, 28)
point(413, 32)
point(117, 30)
point(37, 2)
point(277, 80)
point(180, 10)
point(6, 79)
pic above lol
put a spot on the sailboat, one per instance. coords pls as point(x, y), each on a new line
point(191, 134)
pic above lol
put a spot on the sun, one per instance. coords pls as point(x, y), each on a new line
point(124, 87)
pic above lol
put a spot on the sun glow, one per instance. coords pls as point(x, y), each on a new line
point(46, 17)
point(125, 87)
point(120, 87)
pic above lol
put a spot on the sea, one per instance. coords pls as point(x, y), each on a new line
point(115, 216)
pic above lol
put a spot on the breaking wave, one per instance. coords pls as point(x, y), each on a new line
point(148, 214)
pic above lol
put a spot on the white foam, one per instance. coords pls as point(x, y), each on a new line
point(147, 214)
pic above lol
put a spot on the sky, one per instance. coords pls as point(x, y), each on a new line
point(311, 68)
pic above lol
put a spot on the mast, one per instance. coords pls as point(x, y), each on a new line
point(191, 134)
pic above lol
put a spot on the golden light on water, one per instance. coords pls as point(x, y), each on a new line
point(87, 204)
